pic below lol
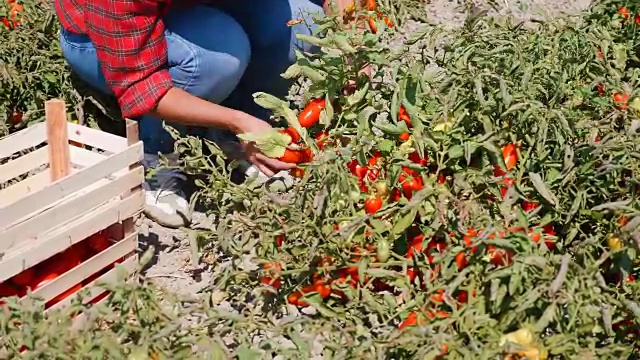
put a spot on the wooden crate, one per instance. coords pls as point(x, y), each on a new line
point(60, 184)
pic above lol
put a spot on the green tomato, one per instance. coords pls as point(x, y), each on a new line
point(383, 250)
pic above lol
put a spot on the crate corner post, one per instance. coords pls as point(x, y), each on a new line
point(58, 139)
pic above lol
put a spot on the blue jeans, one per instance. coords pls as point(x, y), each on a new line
point(221, 53)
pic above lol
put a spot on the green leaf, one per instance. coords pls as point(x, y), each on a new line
point(542, 189)
point(313, 40)
point(404, 222)
point(272, 143)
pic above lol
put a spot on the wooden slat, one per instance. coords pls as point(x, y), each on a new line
point(32, 184)
point(24, 164)
point(39, 201)
point(86, 200)
point(20, 259)
point(83, 157)
point(86, 269)
point(23, 140)
point(58, 139)
point(109, 278)
point(96, 138)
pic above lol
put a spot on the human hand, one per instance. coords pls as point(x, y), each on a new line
point(268, 166)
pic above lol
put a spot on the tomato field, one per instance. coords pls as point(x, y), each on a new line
point(474, 198)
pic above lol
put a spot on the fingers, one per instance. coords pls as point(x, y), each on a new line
point(274, 164)
point(264, 169)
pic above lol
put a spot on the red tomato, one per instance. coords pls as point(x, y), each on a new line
point(499, 257)
point(434, 247)
point(279, 240)
point(99, 242)
point(370, 5)
point(396, 195)
point(529, 206)
point(461, 260)
point(297, 156)
point(404, 115)
point(415, 246)
point(510, 156)
point(388, 22)
point(621, 100)
point(404, 136)
point(463, 296)
point(415, 158)
point(624, 12)
point(372, 25)
point(321, 139)
point(411, 320)
point(310, 115)
point(438, 297)
point(24, 278)
point(373, 204)
point(637, 19)
point(43, 280)
point(7, 290)
point(16, 117)
point(295, 137)
point(357, 169)
point(297, 172)
point(273, 281)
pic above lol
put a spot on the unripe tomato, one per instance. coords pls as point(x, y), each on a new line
point(382, 189)
point(383, 250)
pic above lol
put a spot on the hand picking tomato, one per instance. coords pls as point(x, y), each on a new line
point(310, 115)
point(373, 204)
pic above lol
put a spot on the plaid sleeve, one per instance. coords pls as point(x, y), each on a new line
point(129, 39)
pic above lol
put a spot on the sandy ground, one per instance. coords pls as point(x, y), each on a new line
point(172, 268)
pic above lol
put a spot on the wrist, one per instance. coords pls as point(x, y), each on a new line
point(237, 121)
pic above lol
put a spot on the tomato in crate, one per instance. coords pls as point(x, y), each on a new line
point(74, 289)
point(7, 290)
point(99, 241)
point(24, 278)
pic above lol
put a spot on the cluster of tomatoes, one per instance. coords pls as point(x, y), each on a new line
point(14, 12)
point(626, 14)
point(47, 271)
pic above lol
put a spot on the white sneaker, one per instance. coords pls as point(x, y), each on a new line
point(165, 202)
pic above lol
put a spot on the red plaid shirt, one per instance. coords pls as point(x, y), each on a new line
point(129, 39)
